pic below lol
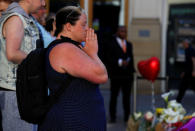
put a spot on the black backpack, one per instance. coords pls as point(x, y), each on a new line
point(31, 85)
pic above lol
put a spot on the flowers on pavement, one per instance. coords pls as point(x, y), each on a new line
point(173, 113)
point(172, 117)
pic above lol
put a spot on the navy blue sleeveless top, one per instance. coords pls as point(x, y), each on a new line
point(79, 108)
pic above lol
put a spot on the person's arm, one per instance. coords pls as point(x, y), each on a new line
point(83, 63)
point(14, 32)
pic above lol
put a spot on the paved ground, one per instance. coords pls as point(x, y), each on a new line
point(143, 104)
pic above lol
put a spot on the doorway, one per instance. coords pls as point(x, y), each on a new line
point(181, 26)
point(105, 23)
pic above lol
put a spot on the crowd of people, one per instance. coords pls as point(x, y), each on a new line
point(24, 26)
point(81, 62)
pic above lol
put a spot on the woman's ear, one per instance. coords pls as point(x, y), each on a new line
point(68, 27)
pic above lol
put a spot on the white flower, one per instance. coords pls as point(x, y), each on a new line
point(165, 96)
point(182, 111)
point(173, 119)
point(174, 111)
point(174, 103)
point(137, 115)
point(171, 116)
point(193, 114)
point(171, 112)
point(176, 106)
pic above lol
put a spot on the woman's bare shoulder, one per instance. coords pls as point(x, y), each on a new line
point(61, 54)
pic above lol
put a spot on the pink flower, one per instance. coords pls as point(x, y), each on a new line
point(149, 116)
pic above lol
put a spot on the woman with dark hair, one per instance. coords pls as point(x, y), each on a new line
point(80, 107)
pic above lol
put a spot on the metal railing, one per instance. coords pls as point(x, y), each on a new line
point(136, 78)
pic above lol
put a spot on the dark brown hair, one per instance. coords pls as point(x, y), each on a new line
point(68, 14)
point(9, 1)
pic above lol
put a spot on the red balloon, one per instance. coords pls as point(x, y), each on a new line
point(150, 68)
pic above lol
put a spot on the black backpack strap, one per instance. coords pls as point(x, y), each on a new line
point(63, 39)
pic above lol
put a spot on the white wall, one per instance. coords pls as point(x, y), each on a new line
point(146, 8)
point(151, 8)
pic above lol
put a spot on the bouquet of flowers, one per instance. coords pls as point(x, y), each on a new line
point(170, 118)
point(173, 116)
point(173, 113)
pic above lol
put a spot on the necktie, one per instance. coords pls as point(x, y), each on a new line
point(123, 46)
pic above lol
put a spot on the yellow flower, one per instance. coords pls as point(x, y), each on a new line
point(159, 111)
point(187, 117)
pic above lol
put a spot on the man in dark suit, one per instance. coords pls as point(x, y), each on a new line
point(120, 65)
point(188, 74)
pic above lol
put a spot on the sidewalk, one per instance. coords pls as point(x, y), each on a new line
point(143, 104)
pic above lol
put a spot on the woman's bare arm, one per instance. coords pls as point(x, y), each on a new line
point(69, 58)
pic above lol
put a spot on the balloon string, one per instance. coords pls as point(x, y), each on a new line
point(153, 105)
point(153, 99)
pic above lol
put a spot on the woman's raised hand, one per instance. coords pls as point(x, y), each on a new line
point(91, 45)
